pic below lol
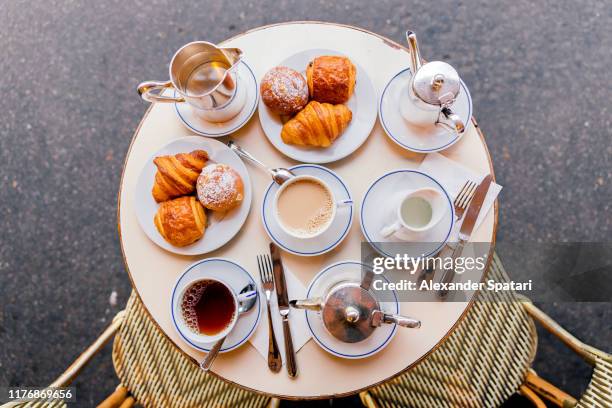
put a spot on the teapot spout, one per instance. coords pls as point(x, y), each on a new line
point(415, 54)
point(314, 304)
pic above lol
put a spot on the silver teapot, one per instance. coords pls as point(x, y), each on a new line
point(432, 91)
point(350, 311)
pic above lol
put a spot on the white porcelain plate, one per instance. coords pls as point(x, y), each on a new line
point(379, 339)
point(236, 277)
point(415, 138)
point(221, 226)
point(378, 209)
point(213, 129)
point(323, 243)
point(362, 104)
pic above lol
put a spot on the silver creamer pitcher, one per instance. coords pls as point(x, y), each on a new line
point(204, 76)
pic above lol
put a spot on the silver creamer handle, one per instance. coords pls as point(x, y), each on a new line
point(147, 89)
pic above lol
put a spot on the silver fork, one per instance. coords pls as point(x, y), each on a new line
point(267, 282)
point(460, 203)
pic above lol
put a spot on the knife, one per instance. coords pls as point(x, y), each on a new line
point(283, 307)
point(466, 229)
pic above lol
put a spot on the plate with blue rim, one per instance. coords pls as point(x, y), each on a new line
point(362, 105)
point(213, 129)
point(222, 226)
point(235, 276)
point(328, 240)
point(378, 209)
point(377, 341)
point(414, 138)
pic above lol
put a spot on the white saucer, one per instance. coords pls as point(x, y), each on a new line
point(414, 138)
point(362, 104)
point(342, 271)
point(221, 226)
point(329, 239)
point(214, 129)
point(235, 276)
point(378, 208)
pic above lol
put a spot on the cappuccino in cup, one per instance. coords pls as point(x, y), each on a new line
point(304, 206)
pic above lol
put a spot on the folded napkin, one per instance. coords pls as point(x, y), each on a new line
point(452, 176)
point(297, 320)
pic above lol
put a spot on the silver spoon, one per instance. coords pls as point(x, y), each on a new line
point(279, 175)
point(243, 307)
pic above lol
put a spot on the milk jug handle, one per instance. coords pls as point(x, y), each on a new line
point(390, 229)
point(147, 89)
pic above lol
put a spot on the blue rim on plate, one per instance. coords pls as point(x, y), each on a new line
point(416, 149)
point(241, 342)
point(450, 203)
point(235, 128)
point(320, 343)
point(293, 251)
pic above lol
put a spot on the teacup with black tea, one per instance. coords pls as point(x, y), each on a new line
point(209, 308)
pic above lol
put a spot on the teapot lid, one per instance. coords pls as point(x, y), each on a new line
point(348, 313)
point(436, 83)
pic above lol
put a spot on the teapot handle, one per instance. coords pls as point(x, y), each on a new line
point(145, 90)
point(314, 304)
point(456, 125)
point(402, 320)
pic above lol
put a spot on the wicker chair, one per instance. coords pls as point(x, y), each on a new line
point(152, 372)
point(484, 362)
point(488, 358)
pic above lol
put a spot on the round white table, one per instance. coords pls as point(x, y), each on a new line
point(153, 271)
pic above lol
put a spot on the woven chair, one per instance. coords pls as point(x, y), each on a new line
point(152, 372)
point(484, 362)
point(487, 359)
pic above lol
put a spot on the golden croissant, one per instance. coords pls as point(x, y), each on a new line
point(318, 124)
point(177, 175)
point(181, 221)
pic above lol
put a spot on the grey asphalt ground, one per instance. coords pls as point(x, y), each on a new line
point(539, 74)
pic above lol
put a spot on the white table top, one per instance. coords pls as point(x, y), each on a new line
point(153, 271)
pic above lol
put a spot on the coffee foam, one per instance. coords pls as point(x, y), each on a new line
point(314, 219)
point(319, 220)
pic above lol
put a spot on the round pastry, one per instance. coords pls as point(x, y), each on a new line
point(181, 221)
point(220, 187)
point(284, 90)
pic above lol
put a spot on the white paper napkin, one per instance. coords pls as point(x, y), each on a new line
point(297, 320)
point(453, 176)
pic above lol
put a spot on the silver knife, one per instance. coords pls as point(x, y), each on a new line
point(283, 307)
point(466, 228)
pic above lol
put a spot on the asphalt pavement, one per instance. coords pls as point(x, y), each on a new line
point(538, 74)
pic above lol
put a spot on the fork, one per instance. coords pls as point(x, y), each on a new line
point(267, 282)
point(461, 202)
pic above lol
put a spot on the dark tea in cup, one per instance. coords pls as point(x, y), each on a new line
point(208, 307)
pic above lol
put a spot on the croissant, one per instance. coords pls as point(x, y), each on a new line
point(181, 221)
point(318, 124)
point(177, 175)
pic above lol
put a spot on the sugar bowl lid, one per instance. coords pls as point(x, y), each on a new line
point(436, 83)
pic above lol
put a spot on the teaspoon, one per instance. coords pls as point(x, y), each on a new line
point(279, 175)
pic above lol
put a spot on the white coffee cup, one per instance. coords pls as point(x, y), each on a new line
point(199, 337)
point(416, 213)
point(335, 204)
